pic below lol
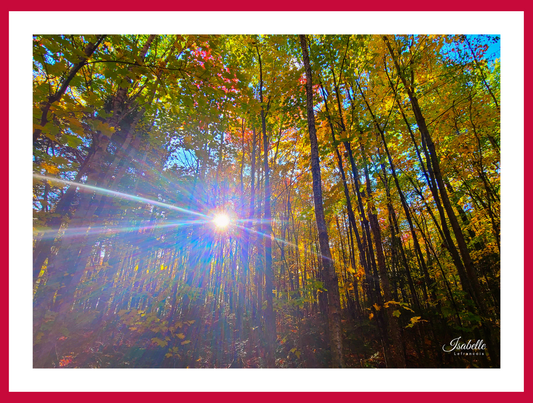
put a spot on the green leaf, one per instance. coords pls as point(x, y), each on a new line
point(72, 141)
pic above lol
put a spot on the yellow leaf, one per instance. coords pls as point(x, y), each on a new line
point(376, 307)
point(180, 336)
point(370, 316)
point(49, 168)
point(159, 342)
point(185, 342)
point(386, 304)
point(415, 320)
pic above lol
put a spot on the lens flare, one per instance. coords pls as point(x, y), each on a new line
point(221, 220)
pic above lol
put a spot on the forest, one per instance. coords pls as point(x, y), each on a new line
point(266, 201)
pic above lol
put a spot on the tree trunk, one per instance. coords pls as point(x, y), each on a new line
point(334, 307)
point(270, 320)
point(399, 353)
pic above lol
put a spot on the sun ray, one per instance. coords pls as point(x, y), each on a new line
point(104, 229)
point(282, 241)
point(121, 195)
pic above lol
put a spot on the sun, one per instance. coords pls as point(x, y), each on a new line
point(221, 220)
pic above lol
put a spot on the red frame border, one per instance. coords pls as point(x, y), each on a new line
point(272, 5)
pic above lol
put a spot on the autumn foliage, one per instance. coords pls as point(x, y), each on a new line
point(141, 140)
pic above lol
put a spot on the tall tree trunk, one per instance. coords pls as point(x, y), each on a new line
point(270, 320)
point(349, 208)
point(418, 249)
point(399, 353)
point(334, 306)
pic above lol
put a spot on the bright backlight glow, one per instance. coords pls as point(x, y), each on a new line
point(221, 220)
